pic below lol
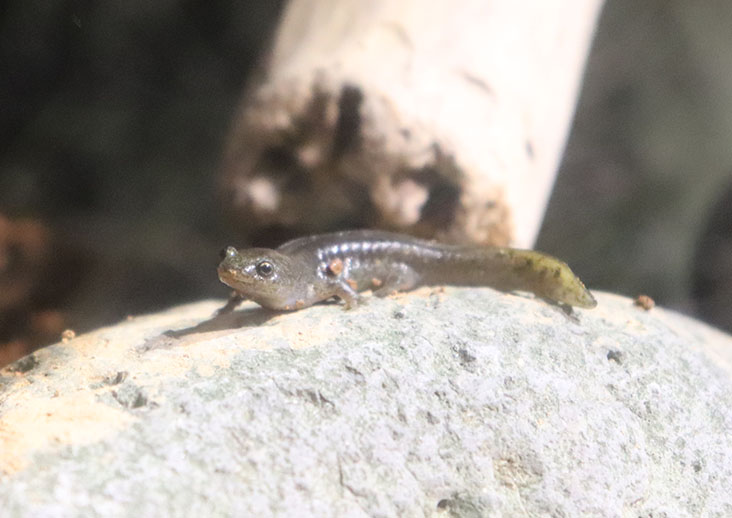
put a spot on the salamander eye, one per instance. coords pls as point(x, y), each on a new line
point(265, 268)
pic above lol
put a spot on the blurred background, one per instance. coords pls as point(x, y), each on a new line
point(113, 118)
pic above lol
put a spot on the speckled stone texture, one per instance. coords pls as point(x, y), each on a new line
point(462, 402)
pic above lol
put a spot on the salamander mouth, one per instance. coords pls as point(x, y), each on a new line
point(232, 277)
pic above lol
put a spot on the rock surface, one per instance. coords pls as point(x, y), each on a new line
point(462, 402)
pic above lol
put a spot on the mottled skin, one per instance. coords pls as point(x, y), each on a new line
point(315, 268)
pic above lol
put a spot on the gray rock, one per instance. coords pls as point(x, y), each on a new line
point(462, 403)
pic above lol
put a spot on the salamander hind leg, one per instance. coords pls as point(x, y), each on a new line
point(400, 278)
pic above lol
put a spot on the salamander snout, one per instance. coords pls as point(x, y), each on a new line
point(228, 252)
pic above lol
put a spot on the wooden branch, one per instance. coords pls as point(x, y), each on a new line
point(442, 118)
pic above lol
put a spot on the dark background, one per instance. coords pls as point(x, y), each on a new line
point(113, 117)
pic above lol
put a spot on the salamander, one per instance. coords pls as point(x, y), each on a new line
point(311, 269)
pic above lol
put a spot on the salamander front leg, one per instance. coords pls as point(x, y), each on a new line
point(234, 300)
point(344, 291)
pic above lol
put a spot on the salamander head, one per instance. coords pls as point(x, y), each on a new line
point(260, 274)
